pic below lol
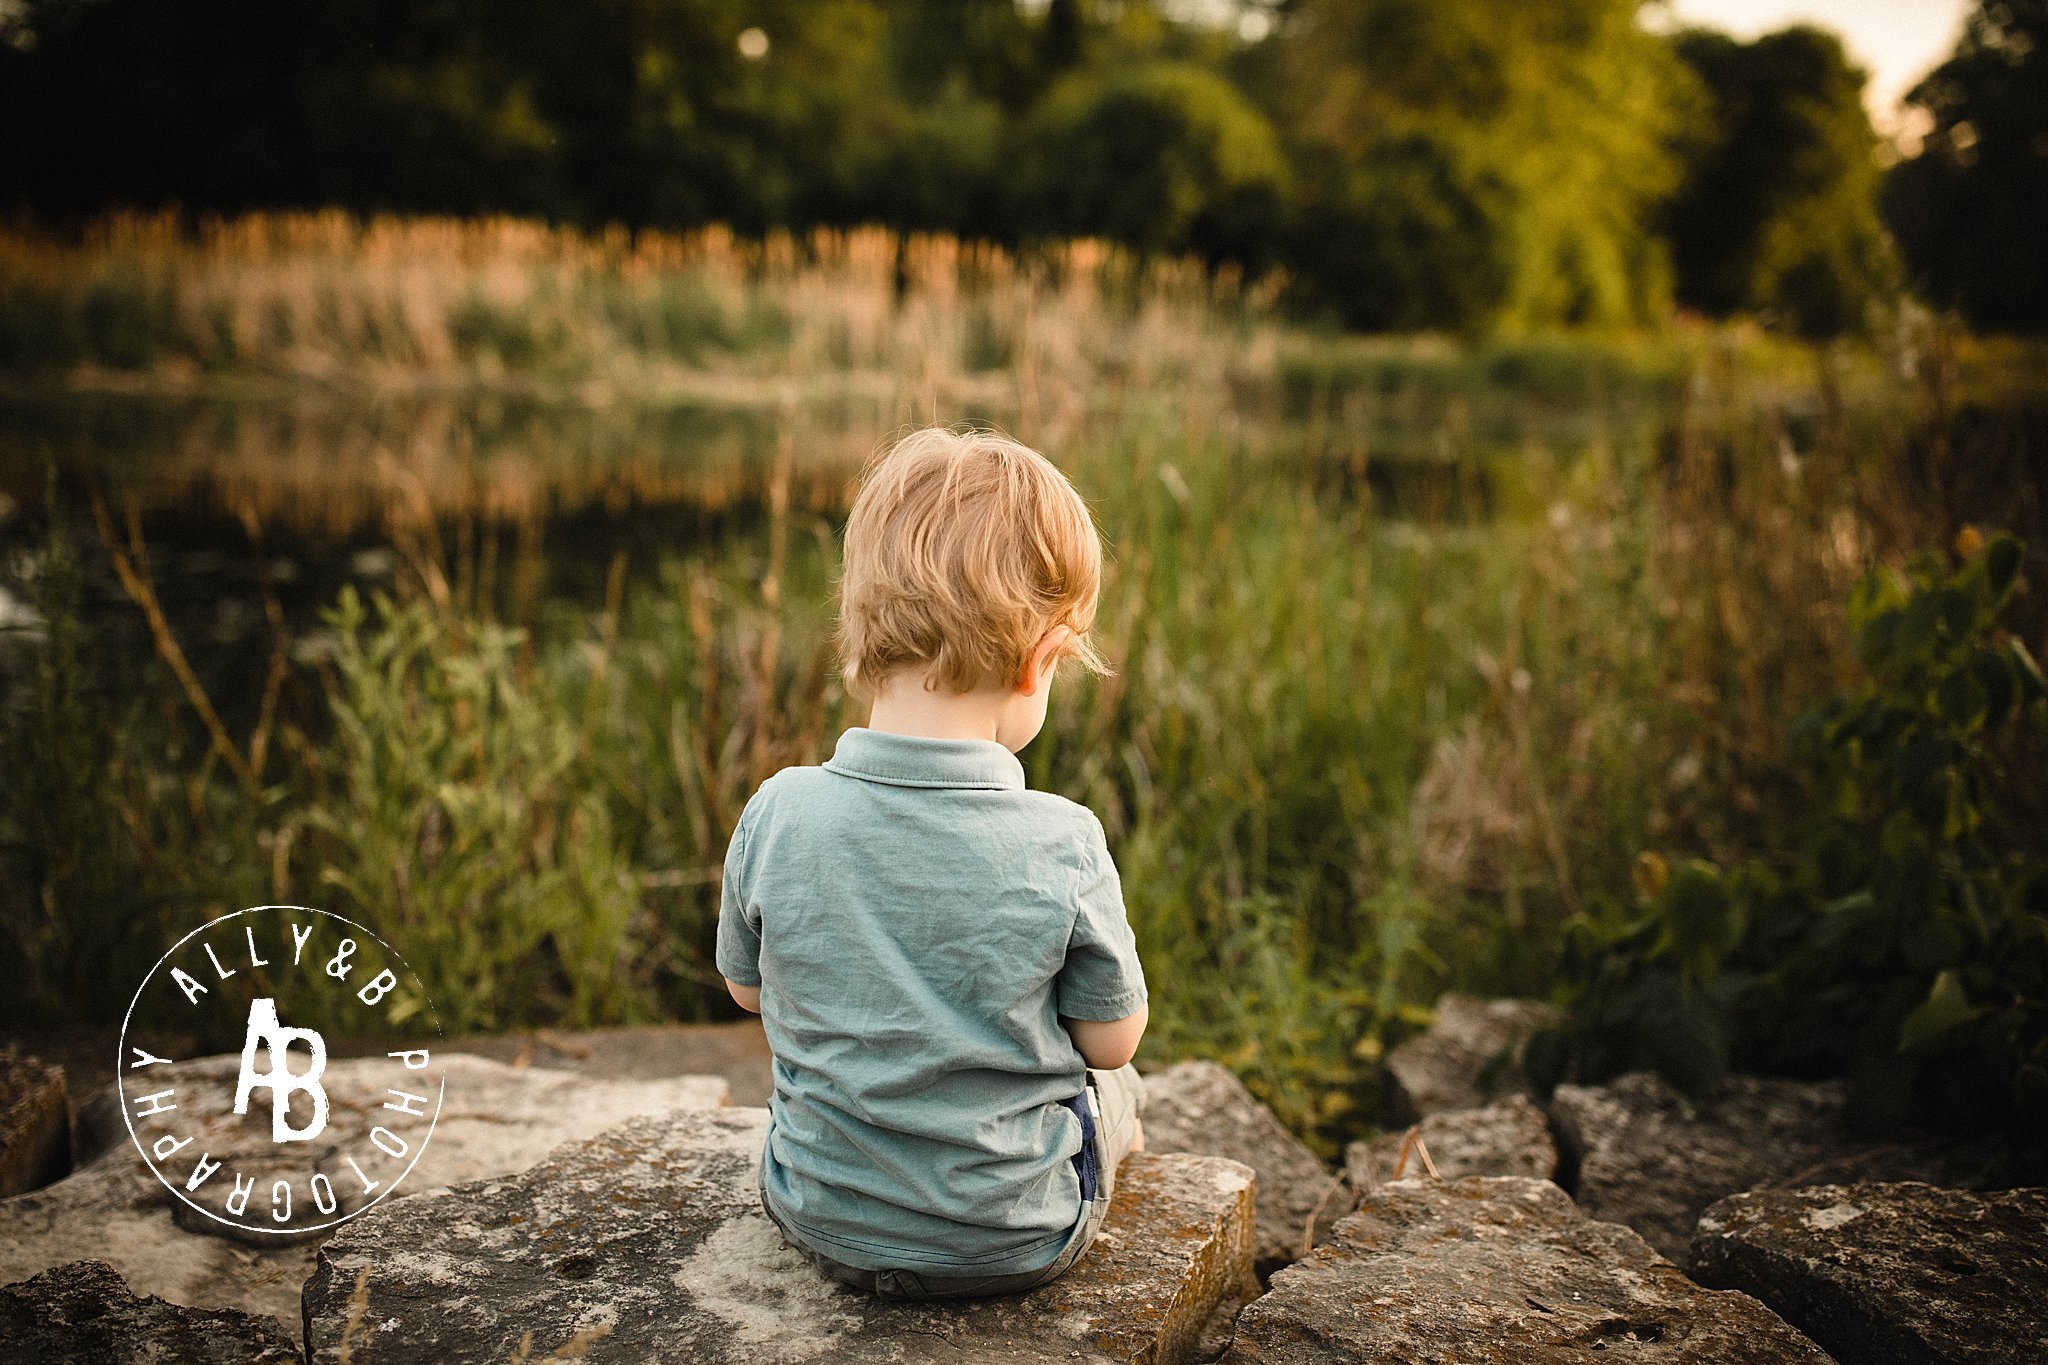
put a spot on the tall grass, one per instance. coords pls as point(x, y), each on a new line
point(332, 299)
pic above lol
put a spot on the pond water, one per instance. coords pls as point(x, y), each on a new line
point(248, 505)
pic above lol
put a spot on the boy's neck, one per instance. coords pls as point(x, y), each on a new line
point(904, 707)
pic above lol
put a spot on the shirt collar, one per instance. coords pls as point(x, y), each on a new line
point(918, 761)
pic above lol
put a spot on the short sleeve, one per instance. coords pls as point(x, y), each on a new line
point(739, 923)
point(1102, 978)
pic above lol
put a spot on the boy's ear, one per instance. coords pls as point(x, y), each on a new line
point(1041, 657)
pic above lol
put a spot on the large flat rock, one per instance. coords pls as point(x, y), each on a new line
point(1897, 1273)
point(648, 1243)
point(82, 1313)
point(1636, 1151)
point(1507, 1137)
point(1199, 1107)
point(1498, 1270)
point(495, 1120)
point(1470, 1056)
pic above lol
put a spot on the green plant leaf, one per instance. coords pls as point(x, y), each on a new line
point(1955, 613)
point(2002, 559)
point(1945, 1008)
point(1699, 921)
point(1878, 639)
point(1880, 592)
point(2029, 670)
point(1997, 675)
point(1962, 698)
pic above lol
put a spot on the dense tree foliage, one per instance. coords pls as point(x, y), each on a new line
point(632, 110)
point(1971, 210)
point(1471, 163)
point(1414, 163)
point(1165, 155)
point(1778, 210)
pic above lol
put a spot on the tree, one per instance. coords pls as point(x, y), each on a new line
point(989, 44)
point(1410, 232)
point(640, 111)
point(1971, 210)
point(1165, 156)
point(938, 167)
point(1778, 210)
point(1536, 135)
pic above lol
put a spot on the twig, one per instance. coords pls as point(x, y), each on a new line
point(568, 1047)
point(143, 594)
point(1415, 1143)
point(280, 652)
point(1308, 1232)
point(1798, 1177)
point(358, 1305)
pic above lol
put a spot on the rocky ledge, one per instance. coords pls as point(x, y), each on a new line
point(84, 1314)
point(648, 1243)
point(1200, 1108)
point(496, 1119)
point(1897, 1273)
point(1498, 1269)
point(1636, 1151)
point(645, 1241)
point(1470, 1055)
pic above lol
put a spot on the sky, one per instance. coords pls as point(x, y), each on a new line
point(1896, 41)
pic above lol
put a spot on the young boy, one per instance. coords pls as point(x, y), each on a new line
point(940, 956)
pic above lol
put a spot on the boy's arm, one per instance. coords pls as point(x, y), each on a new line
point(738, 954)
point(1099, 995)
point(1105, 1044)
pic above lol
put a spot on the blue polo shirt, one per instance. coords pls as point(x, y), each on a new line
point(917, 920)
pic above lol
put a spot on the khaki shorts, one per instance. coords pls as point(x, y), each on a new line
point(1118, 1095)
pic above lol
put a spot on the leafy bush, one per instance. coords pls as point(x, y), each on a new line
point(1905, 944)
point(454, 816)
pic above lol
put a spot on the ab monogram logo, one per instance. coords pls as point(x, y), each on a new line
point(267, 1144)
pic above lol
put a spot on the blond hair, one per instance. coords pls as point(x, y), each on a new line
point(963, 548)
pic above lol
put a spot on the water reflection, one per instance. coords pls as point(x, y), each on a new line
point(339, 469)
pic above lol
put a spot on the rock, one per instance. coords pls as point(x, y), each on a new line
point(648, 1243)
point(1199, 1107)
point(495, 1120)
point(737, 1051)
point(1638, 1152)
point(1897, 1273)
point(35, 1124)
point(501, 1118)
point(1471, 1055)
point(84, 1312)
point(1507, 1137)
point(1497, 1269)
